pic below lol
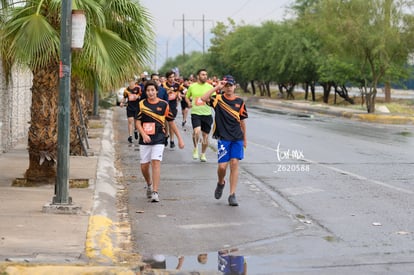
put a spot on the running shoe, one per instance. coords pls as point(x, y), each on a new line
point(154, 197)
point(172, 144)
point(166, 141)
point(195, 153)
point(203, 158)
point(136, 134)
point(130, 139)
point(219, 190)
point(232, 200)
point(149, 191)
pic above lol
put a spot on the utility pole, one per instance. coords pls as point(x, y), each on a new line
point(183, 37)
point(61, 202)
point(166, 50)
point(62, 180)
point(203, 20)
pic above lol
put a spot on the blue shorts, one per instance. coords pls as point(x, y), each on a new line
point(227, 150)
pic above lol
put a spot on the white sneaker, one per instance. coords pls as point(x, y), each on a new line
point(149, 191)
point(154, 197)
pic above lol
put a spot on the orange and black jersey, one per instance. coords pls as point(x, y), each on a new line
point(133, 96)
point(173, 95)
point(152, 117)
point(228, 114)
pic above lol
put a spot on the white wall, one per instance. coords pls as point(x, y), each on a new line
point(15, 102)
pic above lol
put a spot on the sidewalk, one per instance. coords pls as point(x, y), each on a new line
point(34, 242)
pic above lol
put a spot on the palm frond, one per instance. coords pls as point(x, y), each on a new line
point(109, 56)
point(32, 39)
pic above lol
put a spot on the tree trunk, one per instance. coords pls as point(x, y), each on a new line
point(267, 85)
point(253, 87)
point(42, 137)
point(326, 91)
point(280, 86)
point(387, 91)
point(370, 100)
point(261, 88)
point(306, 90)
point(313, 91)
point(289, 91)
point(77, 93)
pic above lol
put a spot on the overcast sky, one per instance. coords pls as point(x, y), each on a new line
point(168, 21)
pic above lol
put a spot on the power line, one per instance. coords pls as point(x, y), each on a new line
point(203, 20)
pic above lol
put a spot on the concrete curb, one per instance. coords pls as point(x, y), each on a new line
point(108, 238)
point(307, 109)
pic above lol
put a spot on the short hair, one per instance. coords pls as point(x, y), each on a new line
point(201, 70)
point(151, 83)
point(202, 258)
point(169, 73)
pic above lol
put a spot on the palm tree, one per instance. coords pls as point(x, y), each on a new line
point(118, 42)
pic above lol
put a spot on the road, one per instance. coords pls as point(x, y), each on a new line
point(317, 195)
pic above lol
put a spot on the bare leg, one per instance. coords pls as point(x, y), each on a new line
point(131, 125)
point(146, 172)
point(156, 170)
point(234, 175)
point(171, 133)
point(204, 143)
point(221, 172)
point(185, 114)
point(196, 136)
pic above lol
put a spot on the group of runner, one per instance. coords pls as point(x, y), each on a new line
point(155, 102)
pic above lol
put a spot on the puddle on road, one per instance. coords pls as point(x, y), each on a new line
point(221, 262)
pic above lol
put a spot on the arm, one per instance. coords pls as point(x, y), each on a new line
point(207, 95)
point(243, 127)
point(180, 262)
point(173, 127)
point(187, 97)
point(188, 102)
point(123, 101)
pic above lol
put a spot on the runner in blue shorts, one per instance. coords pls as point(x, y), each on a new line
point(230, 131)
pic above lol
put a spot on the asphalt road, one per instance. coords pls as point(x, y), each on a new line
point(317, 195)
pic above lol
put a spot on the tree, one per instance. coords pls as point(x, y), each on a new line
point(375, 32)
point(117, 42)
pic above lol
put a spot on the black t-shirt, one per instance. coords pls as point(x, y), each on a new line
point(133, 95)
point(228, 114)
point(152, 117)
point(173, 90)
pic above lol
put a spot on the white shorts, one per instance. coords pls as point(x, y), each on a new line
point(151, 152)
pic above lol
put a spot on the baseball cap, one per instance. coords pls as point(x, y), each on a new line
point(229, 79)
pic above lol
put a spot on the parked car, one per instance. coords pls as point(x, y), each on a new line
point(119, 95)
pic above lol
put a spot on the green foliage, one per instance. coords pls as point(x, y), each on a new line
point(357, 42)
point(118, 39)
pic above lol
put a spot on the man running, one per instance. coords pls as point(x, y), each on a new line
point(150, 122)
point(132, 95)
point(173, 89)
point(230, 132)
point(201, 118)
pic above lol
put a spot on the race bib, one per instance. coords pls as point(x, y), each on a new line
point(172, 96)
point(149, 128)
point(132, 97)
point(199, 102)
